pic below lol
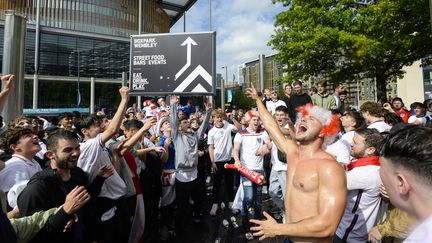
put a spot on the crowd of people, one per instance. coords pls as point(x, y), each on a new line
point(333, 173)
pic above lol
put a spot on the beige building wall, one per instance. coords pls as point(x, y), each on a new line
point(411, 87)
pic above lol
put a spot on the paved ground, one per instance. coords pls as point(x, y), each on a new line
point(211, 228)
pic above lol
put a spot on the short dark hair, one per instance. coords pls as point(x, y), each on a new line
point(61, 133)
point(133, 124)
point(372, 137)
point(65, 115)
point(417, 105)
point(359, 119)
point(282, 108)
point(297, 83)
point(51, 130)
point(408, 146)
point(397, 99)
point(13, 135)
point(87, 122)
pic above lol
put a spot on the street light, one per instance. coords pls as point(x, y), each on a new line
point(223, 88)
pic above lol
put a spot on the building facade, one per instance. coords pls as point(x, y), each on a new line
point(249, 72)
point(81, 39)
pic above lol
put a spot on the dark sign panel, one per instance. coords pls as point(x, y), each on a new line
point(172, 64)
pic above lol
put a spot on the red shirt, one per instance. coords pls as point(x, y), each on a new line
point(404, 114)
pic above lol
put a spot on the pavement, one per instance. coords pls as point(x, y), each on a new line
point(211, 229)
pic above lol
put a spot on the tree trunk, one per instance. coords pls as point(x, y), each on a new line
point(381, 88)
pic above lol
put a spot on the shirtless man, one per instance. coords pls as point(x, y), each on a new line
point(316, 185)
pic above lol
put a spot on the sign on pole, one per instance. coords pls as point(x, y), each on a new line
point(181, 63)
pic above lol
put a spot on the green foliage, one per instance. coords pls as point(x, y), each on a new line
point(241, 101)
point(341, 40)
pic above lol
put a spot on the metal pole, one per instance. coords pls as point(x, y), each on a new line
point(139, 105)
point(13, 62)
point(184, 21)
point(210, 14)
point(36, 61)
point(35, 91)
point(139, 17)
point(261, 71)
point(210, 98)
point(92, 95)
point(124, 81)
point(223, 88)
point(78, 85)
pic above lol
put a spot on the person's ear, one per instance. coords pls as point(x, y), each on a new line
point(403, 184)
point(84, 131)
point(370, 151)
point(14, 147)
point(50, 154)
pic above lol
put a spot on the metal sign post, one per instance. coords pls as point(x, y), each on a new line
point(13, 63)
point(182, 63)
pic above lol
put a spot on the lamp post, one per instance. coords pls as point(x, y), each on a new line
point(223, 88)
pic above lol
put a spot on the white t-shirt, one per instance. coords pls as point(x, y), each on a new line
point(222, 142)
point(363, 201)
point(277, 165)
point(340, 151)
point(422, 233)
point(249, 144)
point(381, 126)
point(423, 119)
point(17, 169)
point(271, 105)
point(347, 139)
point(93, 156)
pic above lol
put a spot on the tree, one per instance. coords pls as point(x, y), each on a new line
point(342, 40)
point(241, 101)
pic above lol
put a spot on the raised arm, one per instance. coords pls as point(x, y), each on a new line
point(173, 116)
point(237, 124)
point(7, 80)
point(134, 139)
point(331, 205)
point(285, 145)
point(115, 123)
point(204, 124)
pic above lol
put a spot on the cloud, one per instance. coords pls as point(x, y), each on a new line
point(243, 29)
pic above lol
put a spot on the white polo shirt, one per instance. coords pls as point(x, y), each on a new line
point(17, 169)
point(93, 156)
point(222, 142)
point(272, 105)
point(249, 144)
point(363, 201)
point(381, 126)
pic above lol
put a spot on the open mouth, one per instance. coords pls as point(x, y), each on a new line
point(302, 129)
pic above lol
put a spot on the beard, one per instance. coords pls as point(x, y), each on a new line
point(64, 164)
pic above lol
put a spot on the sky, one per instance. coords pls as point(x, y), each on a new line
point(243, 29)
